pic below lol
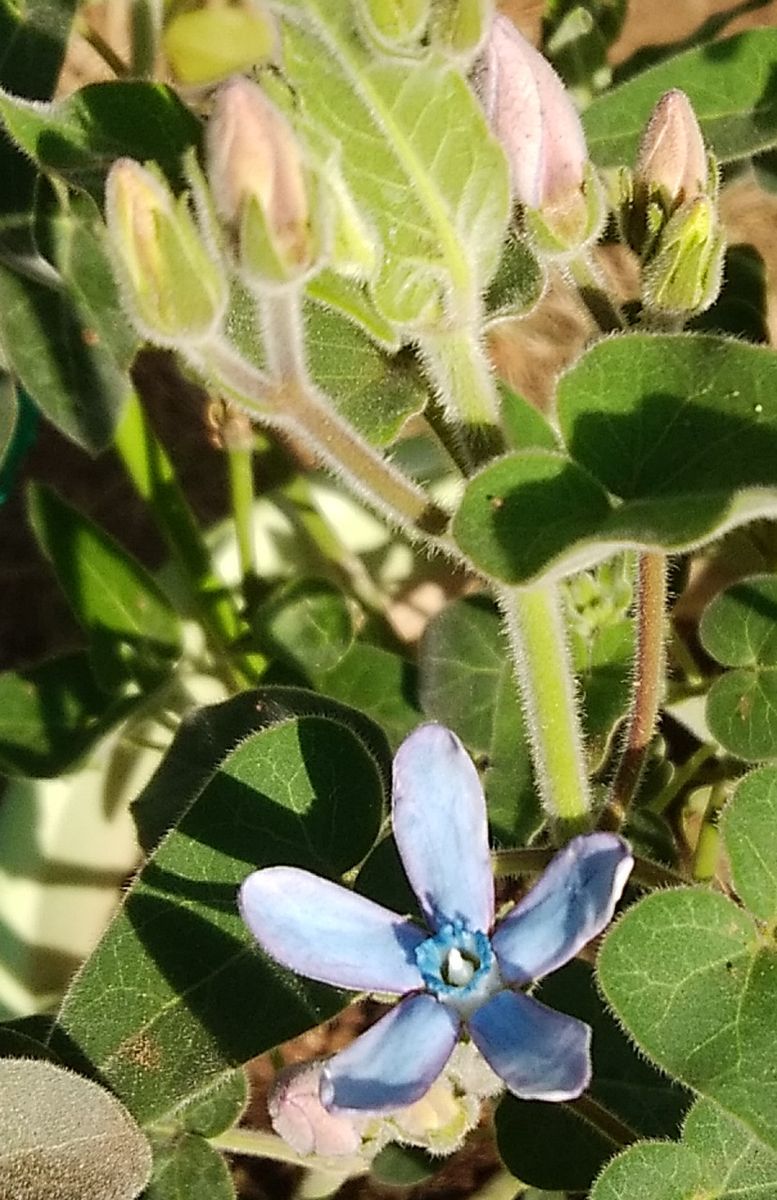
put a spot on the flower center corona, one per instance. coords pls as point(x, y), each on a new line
point(459, 967)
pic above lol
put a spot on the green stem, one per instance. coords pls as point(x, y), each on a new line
point(241, 489)
point(461, 376)
point(707, 852)
point(514, 863)
point(346, 567)
point(105, 51)
point(682, 777)
point(538, 639)
point(501, 1186)
point(145, 21)
point(153, 476)
point(592, 291)
point(615, 1130)
point(647, 690)
point(296, 409)
point(257, 1143)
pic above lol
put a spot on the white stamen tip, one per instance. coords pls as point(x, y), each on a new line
point(460, 969)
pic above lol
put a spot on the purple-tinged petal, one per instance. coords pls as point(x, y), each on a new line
point(541, 1054)
point(396, 1061)
point(441, 829)
point(573, 901)
point(327, 932)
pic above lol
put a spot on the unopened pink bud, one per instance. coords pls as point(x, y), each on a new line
point(255, 168)
point(533, 117)
point(299, 1117)
point(672, 160)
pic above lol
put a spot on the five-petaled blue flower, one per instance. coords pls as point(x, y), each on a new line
point(465, 972)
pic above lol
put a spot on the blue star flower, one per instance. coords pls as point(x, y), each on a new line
point(462, 972)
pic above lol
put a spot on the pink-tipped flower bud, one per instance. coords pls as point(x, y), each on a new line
point(299, 1117)
point(261, 184)
point(672, 163)
point(534, 118)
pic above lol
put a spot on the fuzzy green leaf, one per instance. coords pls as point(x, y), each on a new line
point(749, 829)
point(671, 440)
point(717, 1159)
point(696, 986)
point(79, 137)
point(253, 782)
point(188, 1168)
point(738, 629)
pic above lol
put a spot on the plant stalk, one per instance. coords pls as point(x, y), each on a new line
point(647, 690)
point(259, 1144)
point(461, 376)
point(591, 289)
point(535, 626)
point(293, 406)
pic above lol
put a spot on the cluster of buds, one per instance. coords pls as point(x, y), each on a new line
point(669, 212)
point(599, 599)
point(532, 115)
point(170, 263)
point(438, 1122)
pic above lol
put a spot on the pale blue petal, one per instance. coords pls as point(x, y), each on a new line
point(573, 901)
point(441, 830)
point(396, 1061)
point(541, 1054)
point(327, 932)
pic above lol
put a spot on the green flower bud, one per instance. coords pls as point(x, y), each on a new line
point(673, 166)
point(683, 276)
point(394, 24)
point(459, 26)
point(263, 190)
point(171, 279)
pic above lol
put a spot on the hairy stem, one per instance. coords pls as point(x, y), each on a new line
point(535, 627)
point(290, 403)
point(461, 376)
point(649, 669)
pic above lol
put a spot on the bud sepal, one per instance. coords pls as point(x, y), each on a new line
point(684, 275)
point(171, 279)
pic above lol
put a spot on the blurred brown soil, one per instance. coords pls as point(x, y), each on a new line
point(34, 621)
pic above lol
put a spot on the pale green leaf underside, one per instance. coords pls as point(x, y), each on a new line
point(416, 153)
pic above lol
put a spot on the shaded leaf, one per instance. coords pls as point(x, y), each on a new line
point(739, 629)
point(78, 138)
point(188, 1168)
point(380, 684)
point(134, 634)
point(50, 715)
point(309, 623)
point(33, 41)
point(467, 682)
point(195, 997)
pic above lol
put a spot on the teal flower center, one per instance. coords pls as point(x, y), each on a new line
point(459, 967)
